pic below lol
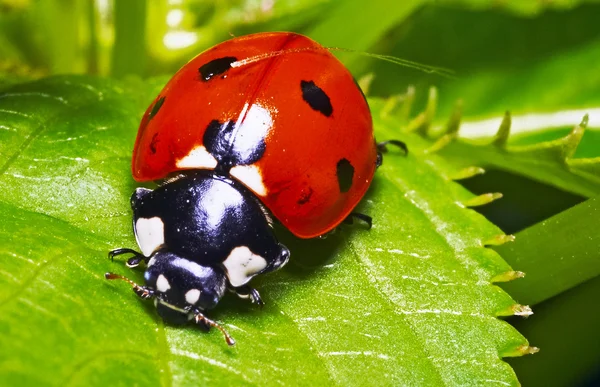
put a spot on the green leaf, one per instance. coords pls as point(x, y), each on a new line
point(410, 302)
point(567, 329)
point(553, 268)
point(129, 51)
point(373, 22)
point(64, 151)
point(502, 61)
point(529, 8)
point(552, 161)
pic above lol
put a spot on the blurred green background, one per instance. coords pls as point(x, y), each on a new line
point(525, 56)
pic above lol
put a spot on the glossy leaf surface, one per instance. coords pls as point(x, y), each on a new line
point(412, 298)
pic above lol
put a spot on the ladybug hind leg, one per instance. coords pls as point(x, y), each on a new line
point(366, 219)
point(382, 148)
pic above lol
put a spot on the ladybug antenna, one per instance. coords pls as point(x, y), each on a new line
point(402, 62)
point(141, 291)
point(388, 58)
point(272, 54)
point(200, 318)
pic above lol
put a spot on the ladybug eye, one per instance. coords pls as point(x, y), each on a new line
point(215, 67)
point(316, 98)
point(344, 173)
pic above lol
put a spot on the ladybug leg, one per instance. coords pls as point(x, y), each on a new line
point(131, 262)
point(246, 292)
point(366, 219)
point(207, 323)
point(255, 297)
point(382, 148)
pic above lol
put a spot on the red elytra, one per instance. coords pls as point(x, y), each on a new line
point(318, 156)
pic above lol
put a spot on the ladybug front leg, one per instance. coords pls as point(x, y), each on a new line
point(247, 293)
point(131, 262)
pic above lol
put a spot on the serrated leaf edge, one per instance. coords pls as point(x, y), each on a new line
point(565, 147)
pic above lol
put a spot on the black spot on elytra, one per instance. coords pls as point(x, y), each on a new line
point(215, 67)
point(316, 98)
point(345, 173)
point(153, 143)
point(228, 153)
point(156, 107)
point(305, 196)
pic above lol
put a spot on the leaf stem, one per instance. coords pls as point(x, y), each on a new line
point(556, 254)
point(129, 51)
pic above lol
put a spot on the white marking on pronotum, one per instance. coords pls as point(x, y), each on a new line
point(162, 284)
point(242, 264)
point(198, 157)
point(192, 296)
point(150, 234)
point(152, 261)
point(251, 176)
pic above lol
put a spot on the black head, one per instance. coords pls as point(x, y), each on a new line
point(210, 220)
point(181, 286)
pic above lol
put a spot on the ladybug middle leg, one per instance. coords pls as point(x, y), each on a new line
point(246, 292)
point(382, 148)
point(131, 262)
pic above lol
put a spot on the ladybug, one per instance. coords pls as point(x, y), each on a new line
point(260, 127)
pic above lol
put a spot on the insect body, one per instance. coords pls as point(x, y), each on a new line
point(270, 123)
